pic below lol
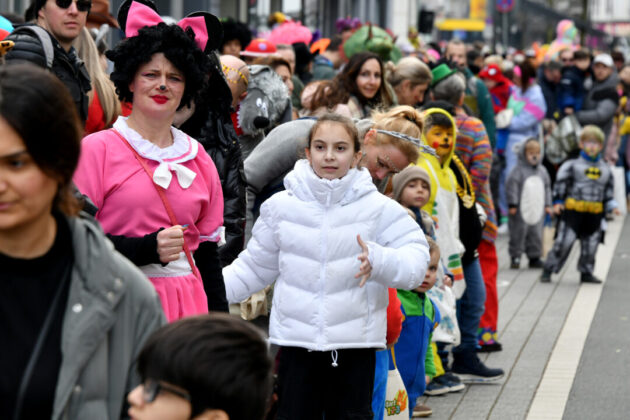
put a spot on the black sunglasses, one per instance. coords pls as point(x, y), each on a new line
point(82, 5)
point(152, 388)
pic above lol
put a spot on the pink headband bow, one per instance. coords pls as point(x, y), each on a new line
point(517, 71)
point(141, 15)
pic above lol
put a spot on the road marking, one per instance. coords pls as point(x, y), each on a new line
point(554, 388)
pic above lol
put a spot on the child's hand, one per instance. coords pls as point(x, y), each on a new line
point(512, 211)
point(366, 268)
point(548, 210)
point(447, 281)
point(427, 379)
point(557, 208)
point(616, 212)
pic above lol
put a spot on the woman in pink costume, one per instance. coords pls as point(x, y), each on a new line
point(157, 191)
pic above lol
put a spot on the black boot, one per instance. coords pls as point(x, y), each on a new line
point(536, 263)
point(589, 278)
point(545, 277)
point(471, 369)
point(515, 264)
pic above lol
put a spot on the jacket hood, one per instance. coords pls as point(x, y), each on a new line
point(449, 157)
point(521, 153)
point(442, 176)
point(307, 186)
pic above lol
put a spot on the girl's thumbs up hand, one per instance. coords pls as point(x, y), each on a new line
point(366, 268)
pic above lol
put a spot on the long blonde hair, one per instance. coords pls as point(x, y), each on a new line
point(403, 119)
point(87, 51)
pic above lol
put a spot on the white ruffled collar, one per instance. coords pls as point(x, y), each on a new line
point(180, 150)
point(170, 158)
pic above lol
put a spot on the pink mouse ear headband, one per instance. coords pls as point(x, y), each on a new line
point(134, 15)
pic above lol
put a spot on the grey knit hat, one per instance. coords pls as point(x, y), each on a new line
point(402, 178)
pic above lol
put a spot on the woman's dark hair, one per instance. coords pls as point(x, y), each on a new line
point(347, 124)
point(303, 58)
point(235, 30)
point(222, 362)
point(338, 90)
point(177, 46)
point(528, 75)
point(38, 106)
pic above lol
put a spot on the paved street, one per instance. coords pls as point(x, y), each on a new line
point(566, 347)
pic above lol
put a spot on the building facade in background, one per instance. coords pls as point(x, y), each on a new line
point(530, 20)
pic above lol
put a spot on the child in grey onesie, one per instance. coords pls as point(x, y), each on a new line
point(528, 192)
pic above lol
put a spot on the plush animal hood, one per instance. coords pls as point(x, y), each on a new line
point(521, 153)
point(307, 186)
point(267, 97)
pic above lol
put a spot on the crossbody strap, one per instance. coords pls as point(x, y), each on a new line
point(162, 194)
point(393, 357)
point(39, 343)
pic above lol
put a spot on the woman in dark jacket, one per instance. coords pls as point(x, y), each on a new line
point(74, 314)
point(212, 126)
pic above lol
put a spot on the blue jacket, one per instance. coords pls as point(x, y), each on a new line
point(420, 318)
point(571, 89)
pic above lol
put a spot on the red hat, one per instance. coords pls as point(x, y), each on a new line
point(492, 72)
point(259, 48)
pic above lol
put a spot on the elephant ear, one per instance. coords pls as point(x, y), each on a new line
point(123, 11)
point(214, 30)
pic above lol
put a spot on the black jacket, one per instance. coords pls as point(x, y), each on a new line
point(212, 126)
point(66, 66)
point(551, 93)
point(571, 90)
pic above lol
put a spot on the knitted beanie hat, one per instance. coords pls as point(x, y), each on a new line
point(402, 178)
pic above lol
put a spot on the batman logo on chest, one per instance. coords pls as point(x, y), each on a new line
point(593, 173)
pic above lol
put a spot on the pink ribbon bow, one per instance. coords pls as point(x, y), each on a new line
point(141, 15)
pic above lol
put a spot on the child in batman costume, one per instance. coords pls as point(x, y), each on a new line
point(582, 195)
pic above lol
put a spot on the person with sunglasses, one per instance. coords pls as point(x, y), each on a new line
point(62, 21)
point(205, 367)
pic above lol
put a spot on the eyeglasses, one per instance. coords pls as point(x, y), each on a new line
point(152, 388)
point(82, 5)
point(566, 60)
point(228, 69)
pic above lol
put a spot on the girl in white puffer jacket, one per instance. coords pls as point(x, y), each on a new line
point(330, 298)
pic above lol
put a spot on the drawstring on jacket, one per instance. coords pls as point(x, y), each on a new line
point(334, 355)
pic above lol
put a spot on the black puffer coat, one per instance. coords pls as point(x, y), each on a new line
point(66, 65)
point(212, 126)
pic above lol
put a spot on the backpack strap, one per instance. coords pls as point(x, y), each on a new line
point(44, 39)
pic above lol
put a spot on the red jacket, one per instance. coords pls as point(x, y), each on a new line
point(394, 317)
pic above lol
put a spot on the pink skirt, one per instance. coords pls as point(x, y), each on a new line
point(181, 296)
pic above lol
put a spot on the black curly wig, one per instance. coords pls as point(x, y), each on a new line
point(177, 46)
point(235, 30)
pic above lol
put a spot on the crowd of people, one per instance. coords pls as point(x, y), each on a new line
point(340, 201)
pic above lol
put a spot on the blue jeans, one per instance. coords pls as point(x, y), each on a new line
point(471, 306)
point(380, 383)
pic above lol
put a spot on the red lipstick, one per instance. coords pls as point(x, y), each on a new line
point(159, 99)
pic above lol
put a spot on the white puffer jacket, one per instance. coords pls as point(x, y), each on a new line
point(306, 239)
